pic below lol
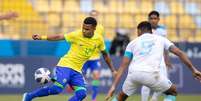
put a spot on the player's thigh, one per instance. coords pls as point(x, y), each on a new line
point(61, 76)
point(161, 84)
point(77, 81)
point(130, 86)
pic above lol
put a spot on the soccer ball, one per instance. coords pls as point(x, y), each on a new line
point(42, 75)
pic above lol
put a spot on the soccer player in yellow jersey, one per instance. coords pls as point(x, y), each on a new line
point(93, 64)
point(68, 70)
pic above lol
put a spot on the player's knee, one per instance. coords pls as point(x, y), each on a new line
point(171, 91)
point(81, 94)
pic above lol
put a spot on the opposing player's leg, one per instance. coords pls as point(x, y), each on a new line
point(79, 86)
point(155, 96)
point(129, 87)
point(145, 92)
point(171, 93)
point(60, 82)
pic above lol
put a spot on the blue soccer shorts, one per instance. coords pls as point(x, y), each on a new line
point(92, 65)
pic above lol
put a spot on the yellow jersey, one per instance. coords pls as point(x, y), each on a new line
point(99, 30)
point(81, 49)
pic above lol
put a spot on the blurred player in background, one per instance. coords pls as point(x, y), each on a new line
point(69, 68)
point(154, 18)
point(8, 16)
point(143, 56)
point(93, 64)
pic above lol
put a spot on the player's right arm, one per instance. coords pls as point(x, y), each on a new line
point(53, 37)
point(124, 64)
point(8, 16)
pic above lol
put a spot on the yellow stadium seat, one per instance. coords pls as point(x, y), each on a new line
point(186, 35)
point(56, 5)
point(172, 35)
point(186, 21)
point(126, 21)
point(131, 7)
point(54, 19)
point(110, 20)
point(79, 18)
point(139, 18)
point(171, 21)
point(100, 6)
point(146, 6)
point(112, 6)
point(68, 20)
point(198, 35)
point(176, 7)
point(71, 6)
point(42, 5)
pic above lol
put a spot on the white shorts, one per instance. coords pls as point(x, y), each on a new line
point(153, 80)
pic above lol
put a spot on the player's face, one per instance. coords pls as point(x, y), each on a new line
point(154, 19)
point(88, 30)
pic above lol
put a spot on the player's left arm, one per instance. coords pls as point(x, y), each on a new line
point(183, 57)
point(108, 60)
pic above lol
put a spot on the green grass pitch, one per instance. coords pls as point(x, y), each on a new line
point(100, 98)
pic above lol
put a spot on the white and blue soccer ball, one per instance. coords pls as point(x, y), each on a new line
point(42, 75)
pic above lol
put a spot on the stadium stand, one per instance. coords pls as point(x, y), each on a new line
point(54, 16)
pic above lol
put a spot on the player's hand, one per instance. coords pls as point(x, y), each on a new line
point(36, 37)
point(114, 73)
point(110, 93)
point(197, 75)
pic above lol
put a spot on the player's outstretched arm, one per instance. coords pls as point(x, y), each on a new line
point(108, 60)
point(8, 16)
point(186, 61)
point(53, 37)
point(123, 66)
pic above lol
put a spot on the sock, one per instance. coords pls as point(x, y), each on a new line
point(145, 91)
point(170, 98)
point(95, 86)
point(79, 95)
point(115, 99)
point(155, 96)
point(45, 91)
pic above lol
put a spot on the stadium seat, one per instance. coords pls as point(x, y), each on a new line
point(68, 20)
point(71, 6)
point(197, 19)
point(100, 6)
point(172, 35)
point(110, 20)
point(171, 21)
point(126, 21)
point(186, 21)
point(146, 6)
point(176, 7)
point(187, 35)
point(42, 6)
point(55, 5)
point(140, 17)
point(54, 19)
point(198, 35)
point(192, 8)
point(131, 7)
